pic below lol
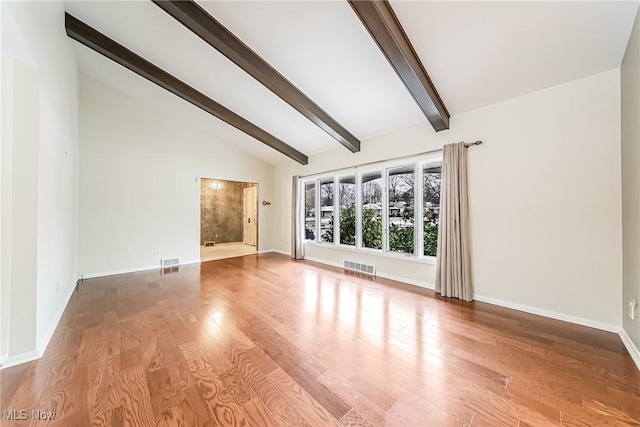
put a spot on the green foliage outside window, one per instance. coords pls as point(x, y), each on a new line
point(371, 228)
point(430, 234)
point(400, 238)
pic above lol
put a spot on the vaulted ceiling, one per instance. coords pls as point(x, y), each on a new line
point(476, 53)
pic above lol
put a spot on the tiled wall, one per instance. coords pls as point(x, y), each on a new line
point(221, 210)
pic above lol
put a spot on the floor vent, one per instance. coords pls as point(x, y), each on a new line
point(170, 262)
point(360, 268)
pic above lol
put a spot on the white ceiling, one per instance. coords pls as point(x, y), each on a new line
point(476, 53)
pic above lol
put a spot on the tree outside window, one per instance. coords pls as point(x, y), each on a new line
point(347, 204)
point(432, 183)
point(326, 209)
point(372, 210)
point(310, 231)
point(400, 209)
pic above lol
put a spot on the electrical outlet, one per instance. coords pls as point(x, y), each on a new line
point(633, 304)
point(157, 251)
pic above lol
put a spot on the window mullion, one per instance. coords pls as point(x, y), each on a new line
point(336, 210)
point(418, 193)
point(385, 210)
point(318, 211)
point(358, 207)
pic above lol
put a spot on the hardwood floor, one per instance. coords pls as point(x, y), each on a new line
point(264, 341)
point(225, 250)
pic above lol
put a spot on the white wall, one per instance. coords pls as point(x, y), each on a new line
point(19, 205)
point(630, 89)
point(138, 188)
point(545, 200)
point(40, 235)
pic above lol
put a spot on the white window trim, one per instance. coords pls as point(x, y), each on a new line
point(419, 163)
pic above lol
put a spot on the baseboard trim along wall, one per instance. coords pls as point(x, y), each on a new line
point(631, 347)
point(132, 270)
point(287, 253)
point(42, 344)
point(19, 359)
point(548, 313)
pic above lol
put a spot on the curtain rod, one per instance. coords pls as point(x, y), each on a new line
point(466, 144)
point(471, 144)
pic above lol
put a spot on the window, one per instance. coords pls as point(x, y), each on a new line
point(372, 210)
point(347, 206)
point(310, 225)
point(326, 210)
point(431, 181)
point(401, 183)
point(379, 209)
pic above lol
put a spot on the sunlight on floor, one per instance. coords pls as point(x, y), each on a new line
point(225, 250)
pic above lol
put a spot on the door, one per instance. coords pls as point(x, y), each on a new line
point(250, 216)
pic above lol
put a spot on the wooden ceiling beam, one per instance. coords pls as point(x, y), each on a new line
point(97, 41)
point(385, 29)
point(196, 19)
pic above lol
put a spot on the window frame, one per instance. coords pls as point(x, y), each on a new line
point(319, 209)
point(315, 210)
point(419, 164)
point(337, 208)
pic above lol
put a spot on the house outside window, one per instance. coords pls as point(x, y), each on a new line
point(371, 210)
point(310, 223)
point(327, 209)
point(401, 209)
point(347, 205)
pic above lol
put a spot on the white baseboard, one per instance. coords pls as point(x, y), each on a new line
point(409, 281)
point(3, 358)
point(266, 251)
point(287, 253)
point(43, 343)
point(323, 261)
point(548, 313)
point(19, 359)
point(631, 347)
point(41, 346)
point(133, 270)
point(123, 271)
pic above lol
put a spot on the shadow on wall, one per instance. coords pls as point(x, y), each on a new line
point(221, 204)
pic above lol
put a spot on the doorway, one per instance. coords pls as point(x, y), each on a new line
point(228, 219)
point(250, 216)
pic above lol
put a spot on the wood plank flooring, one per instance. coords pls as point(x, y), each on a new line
point(265, 341)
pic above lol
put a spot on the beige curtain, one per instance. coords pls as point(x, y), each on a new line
point(453, 265)
point(297, 226)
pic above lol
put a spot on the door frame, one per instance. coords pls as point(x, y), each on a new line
point(256, 208)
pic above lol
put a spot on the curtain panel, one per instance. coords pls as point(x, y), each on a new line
point(453, 264)
point(297, 226)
